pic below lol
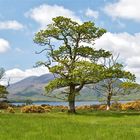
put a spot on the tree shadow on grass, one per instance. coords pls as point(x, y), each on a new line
point(109, 113)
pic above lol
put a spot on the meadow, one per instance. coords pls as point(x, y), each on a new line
point(94, 125)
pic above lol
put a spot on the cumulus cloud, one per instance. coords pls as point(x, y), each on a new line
point(11, 24)
point(16, 75)
point(4, 45)
point(92, 13)
point(44, 14)
point(126, 9)
point(127, 45)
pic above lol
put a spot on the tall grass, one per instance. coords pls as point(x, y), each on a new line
point(61, 126)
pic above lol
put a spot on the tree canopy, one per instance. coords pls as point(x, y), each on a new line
point(73, 62)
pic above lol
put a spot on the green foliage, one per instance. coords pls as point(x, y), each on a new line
point(116, 71)
point(111, 85)
point(28, 102)
point(76, 63)
point(2, 72)
point(129, 85)
point(3, 91)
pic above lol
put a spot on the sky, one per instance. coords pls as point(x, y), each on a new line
point(21, 19)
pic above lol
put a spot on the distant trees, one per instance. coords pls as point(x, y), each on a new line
point(74, 63)
point(28, 102)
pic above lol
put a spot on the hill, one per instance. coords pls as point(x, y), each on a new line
point(33, 88)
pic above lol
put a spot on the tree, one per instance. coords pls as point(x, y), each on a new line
point(117, 80)
point(3, 92)
point(2, 72)
point(128, 87)
point(3, 89)
point(73, 63)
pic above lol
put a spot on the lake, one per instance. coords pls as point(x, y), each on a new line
point(77, 103)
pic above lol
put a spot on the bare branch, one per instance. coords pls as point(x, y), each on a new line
point(42, 51)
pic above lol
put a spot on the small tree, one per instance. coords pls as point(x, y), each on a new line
point(114, 77)
point(69, 58)
point(2, 72)
point(3, 89)
point(3, 92)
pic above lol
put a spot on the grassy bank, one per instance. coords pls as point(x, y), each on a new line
point(61, 126)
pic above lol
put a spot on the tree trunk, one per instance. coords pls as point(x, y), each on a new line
point(108, 102)
point(71, 99)
point(71, 107)
point(109, 95)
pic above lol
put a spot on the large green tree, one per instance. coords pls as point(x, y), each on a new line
point(73, 63)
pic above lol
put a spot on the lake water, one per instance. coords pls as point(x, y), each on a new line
point(78, 103)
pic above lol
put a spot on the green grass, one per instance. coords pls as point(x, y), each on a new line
point(96, 125)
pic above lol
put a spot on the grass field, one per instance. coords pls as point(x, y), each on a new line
point(98, 125)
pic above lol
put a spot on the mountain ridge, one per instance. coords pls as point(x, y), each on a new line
point(33, 88)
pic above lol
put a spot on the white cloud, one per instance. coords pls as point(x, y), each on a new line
point(19, 50)
point(44, 14)
point(11, 24)
point(92, 13)
point(126, 9)
point(16, 75)
point(4, 45)
point(127, 45)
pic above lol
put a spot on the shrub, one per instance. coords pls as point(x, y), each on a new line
point(95, 107)
point(85, 107)
point(1, 111)
point(47, 108)
point(60, 108)
point(10, 110)
point(102, 107)
point(116, 106)
point(131, 106)
point(4, 105)
point(32, 109)
point(64, 108)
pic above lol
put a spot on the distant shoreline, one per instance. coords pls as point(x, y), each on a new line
point(34, 101)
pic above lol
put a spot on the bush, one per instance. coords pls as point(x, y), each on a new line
point(102, 107)
point(60, 108)
point(131, 106)
point(95, 107)
point(47, 108)
point(116, 106)
point(4, 105)
point(10, 110)
point(33, 109)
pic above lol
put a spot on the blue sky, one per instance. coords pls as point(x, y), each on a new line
point(20, 19)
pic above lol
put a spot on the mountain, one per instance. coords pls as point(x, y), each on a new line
point(33, 88)
point(29, 88)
